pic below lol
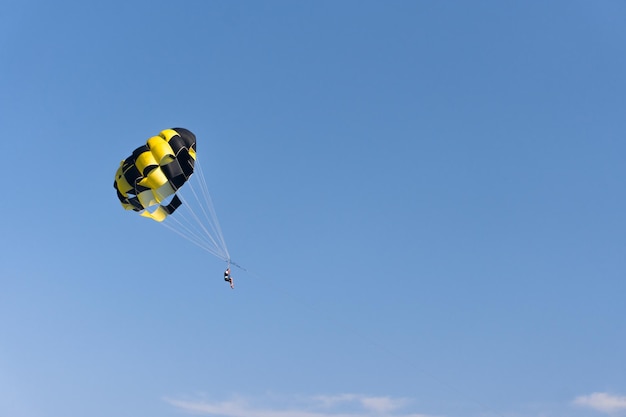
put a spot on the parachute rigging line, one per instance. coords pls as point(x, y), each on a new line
point(196, 219)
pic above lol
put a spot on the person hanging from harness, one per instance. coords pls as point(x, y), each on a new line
point(228, 278)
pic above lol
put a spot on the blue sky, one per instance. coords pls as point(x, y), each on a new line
point(428, 197)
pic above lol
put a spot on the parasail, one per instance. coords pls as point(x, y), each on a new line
point(162, 180)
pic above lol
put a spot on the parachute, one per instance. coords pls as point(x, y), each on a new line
point(162, 180)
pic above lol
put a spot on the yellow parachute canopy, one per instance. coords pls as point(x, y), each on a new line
point(148, 179)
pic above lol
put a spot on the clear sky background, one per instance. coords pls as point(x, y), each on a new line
point(428, 197)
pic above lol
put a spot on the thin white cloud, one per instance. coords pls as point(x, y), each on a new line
point(601, 401)
point(380, 405)
point(344, 405)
